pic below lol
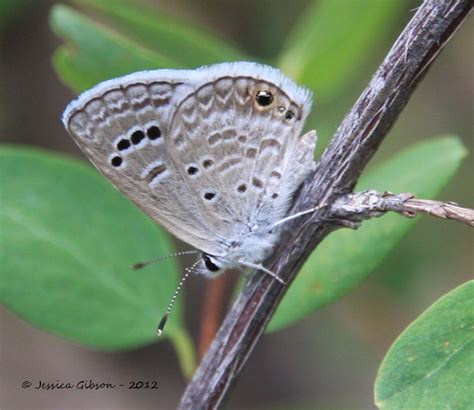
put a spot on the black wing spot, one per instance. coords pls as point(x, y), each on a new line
point(242, 188)
point(153, 132)
point(116, 161)
point(192, 170)
point(264, 98)
point(123, 144)
point(137, 136)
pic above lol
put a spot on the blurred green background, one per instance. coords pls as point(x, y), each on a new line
point(329, 360)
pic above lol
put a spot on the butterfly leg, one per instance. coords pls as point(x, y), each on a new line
point(297, 215)
point(262, 268)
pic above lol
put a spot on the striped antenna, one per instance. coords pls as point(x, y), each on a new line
point(141, 265)
point(164, 319)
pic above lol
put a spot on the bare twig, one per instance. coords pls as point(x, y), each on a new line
point(351, 148)
point(352, 209)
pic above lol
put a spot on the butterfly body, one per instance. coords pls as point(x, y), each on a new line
point(213, 154)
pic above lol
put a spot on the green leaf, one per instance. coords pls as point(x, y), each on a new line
point(94, 53)
point(331, 43)
point(130, 38)
point(179, 40)
point(346, 257)
point(11, 10)
point(431, 364)
point(68, 240)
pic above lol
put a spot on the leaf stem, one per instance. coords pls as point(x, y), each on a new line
point(185, 351)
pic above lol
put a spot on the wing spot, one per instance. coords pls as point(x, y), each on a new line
point(257, 183)
point(264, 98)
point(207, 163)
point(270, 142)
point(275, 174)
point(209, 196)
point(116, 161)
point(193, 170)
point(251, 153)
point(214, 138)
point(242, 139)
point(155, 172)
point(229, 134)
point(242, 188)
point(153, 132)
point(289, 115)
point(137, 137)
point(275, 196)
point(123, 144)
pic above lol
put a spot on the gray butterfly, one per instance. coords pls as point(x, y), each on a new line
point(214, 154)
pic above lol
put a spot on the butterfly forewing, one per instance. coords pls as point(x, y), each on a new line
point(124, 132)
point(203, 152)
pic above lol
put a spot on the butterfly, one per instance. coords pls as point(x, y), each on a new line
point(214, 154)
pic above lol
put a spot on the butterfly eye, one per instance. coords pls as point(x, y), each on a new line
point(264, 98)
point(210, 265)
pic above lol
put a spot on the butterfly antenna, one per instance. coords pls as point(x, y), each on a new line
point(141, 265)
point(164, 319)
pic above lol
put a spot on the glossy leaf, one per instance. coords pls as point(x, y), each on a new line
point(94, 52)
point(431, 364)
point(68, 240)
point(328, 47)
point(177, 39)
point(346, 257)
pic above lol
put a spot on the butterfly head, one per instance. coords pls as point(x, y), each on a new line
point(248, 248)
point(211, 266)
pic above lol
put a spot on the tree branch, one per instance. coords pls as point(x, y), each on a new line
point(351, 148)
point(352, 209)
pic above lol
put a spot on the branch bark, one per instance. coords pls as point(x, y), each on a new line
point(354, 143)
point(352, 209)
